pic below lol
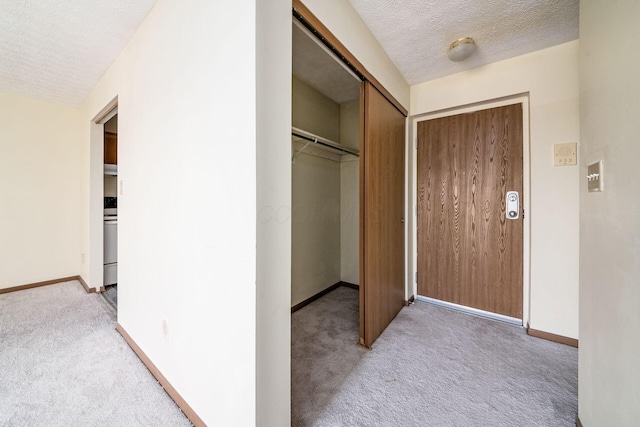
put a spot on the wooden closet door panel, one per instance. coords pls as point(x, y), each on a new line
point(382, 214)
point(468, 252)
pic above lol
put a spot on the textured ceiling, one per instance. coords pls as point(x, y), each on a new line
point(416, 33)
point(57, 50)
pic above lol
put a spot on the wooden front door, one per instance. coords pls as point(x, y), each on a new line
point(469, 253)
point(382, 148)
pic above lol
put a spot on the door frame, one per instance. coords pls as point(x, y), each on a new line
point(412, 163)
point(315, 26)
point(92, 271)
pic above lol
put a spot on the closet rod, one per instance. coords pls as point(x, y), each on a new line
point(325, 143)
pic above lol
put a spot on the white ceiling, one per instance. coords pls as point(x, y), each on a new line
point(416, 33)
point(57, 50)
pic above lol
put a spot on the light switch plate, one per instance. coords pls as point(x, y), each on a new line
point(565, 154)
point(594, 176)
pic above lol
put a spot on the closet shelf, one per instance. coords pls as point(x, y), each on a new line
point(324, 143)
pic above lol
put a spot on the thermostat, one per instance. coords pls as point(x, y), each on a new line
point(565, 154)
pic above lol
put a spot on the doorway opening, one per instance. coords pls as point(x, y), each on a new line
point(382, 209)
point(362, 218)
point(325, 146)
point(471, 303)
point(103, 213)
point(325, 217)
point(110, 192)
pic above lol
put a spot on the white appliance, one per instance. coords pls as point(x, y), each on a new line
point(111, 170)
point(110, 241)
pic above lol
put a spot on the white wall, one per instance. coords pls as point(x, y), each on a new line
point(609, 390)
point(350, 124)
point(39, 190)
point(187, 107)
point(273, 309)
point(550, 77)
point(344, 23)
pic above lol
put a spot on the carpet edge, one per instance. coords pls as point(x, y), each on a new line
point(166, 385)
point(322, 293)
point(43, 283)
point(553, 337)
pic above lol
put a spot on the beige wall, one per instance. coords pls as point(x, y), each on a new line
point(609, 386)
point(550, 78)
point(40, 191)
point(315, 197)
point(314, 112)
point(187, 231)
point(325, 195)
point(315, 229)
point(350, 195)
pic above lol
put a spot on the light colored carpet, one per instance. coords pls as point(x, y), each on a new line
point(62, 363)
point(430, 367)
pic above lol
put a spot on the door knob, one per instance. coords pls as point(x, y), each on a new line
point(513, 203)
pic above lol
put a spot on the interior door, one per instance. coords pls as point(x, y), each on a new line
point(382, 251)
point(469, 252)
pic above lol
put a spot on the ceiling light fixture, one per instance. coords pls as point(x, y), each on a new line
point(461, 49)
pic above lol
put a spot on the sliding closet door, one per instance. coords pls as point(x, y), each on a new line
point(382, 290)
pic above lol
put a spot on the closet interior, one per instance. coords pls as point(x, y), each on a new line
point(325, 140)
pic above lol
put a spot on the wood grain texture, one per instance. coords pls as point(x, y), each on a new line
point(383, 213)
point(86, 286)
point(110, 148)
point(45, 283)
point(553, 337)
point(468, 252)
point(310, 21)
